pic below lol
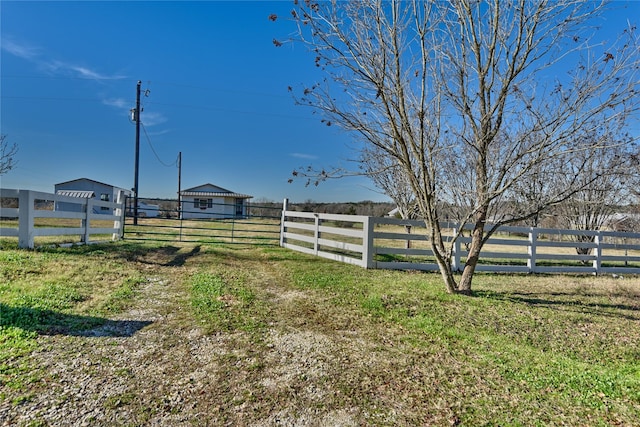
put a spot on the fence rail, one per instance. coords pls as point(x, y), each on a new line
point(256, 225)
point(390, 243)
point(255, 231)
point(38, 215)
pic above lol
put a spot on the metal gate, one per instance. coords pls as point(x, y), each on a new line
point(165, 220)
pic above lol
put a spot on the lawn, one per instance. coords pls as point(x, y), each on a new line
point(380, 347)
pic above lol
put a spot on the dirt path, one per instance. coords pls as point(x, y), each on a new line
point(109, 373)
point(152, 365)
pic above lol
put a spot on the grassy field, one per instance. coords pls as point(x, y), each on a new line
point(394, 348)
point(212, 231)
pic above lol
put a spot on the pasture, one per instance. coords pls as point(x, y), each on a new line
point(186, 333)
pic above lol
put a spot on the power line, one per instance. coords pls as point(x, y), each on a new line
point(229, 110)
point(227, 90)
point(50, 98)
point(154, 150)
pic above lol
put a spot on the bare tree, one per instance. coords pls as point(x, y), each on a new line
point(7, 155)
point(390, 178)
point(608, 179)
point(470, 98)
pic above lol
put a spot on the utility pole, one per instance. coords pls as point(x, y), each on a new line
point(135, 181)
point(179, 185)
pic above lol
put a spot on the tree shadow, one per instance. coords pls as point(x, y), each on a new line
point(179, 259)
point(50, 322)
point(167, 256)
point(568, 301)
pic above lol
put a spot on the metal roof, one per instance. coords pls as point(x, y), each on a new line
point(76, 193)
point(219, 189)
point(90, 180)
point(209, 194)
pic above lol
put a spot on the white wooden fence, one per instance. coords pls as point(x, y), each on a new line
point(32, 205)
point(391, 243)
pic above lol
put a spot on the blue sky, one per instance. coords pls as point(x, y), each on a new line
point(217, 93)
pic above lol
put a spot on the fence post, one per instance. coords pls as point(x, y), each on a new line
point(316, 234)
point(455, 259)
point(283, 217)
point(86, 221)
point(597, 262)
point(531, 250)
point(233, 227)
point(119, 212)
point(367, 242)
point(25, 219)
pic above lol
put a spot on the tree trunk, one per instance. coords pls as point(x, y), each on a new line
point(472, 259)
point(443, 261)
point(447, 276)
point(467, 275)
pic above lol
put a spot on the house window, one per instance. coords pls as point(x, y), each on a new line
point(105, 198)
point(203, 203)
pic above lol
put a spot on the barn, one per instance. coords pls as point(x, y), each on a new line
point(87, 188)
point(209, 201)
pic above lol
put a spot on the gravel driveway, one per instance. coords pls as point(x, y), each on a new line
point(312, 364)
point(146, 367)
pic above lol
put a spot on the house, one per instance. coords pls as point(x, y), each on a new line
point(212, 202)
point(148, 210)
point(87, 189)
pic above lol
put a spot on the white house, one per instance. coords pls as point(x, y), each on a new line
point(87, 188)
point(148, 210)
point(212, 202)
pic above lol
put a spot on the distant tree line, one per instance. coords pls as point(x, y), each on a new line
point(263, 207)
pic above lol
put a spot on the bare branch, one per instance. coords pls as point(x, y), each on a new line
point(473, 101)
point(7, 155)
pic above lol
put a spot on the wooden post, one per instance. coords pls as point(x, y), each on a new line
point(137, 161)
point(25, 219)
point(367, 243)
point(531, 249)
point(180, 188)
point(88, 208)
point(597, 262)
point(316, 234)
point(119, 212)
point(283, 217)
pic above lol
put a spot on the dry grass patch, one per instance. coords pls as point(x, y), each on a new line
point(265, 336)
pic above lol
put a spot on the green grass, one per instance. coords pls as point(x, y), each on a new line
point(224, 303)
point(54, 291)
point(553, 346)
point(523, 350)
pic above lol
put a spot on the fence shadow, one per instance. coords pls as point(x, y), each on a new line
point(168, 256)
point(49, 322)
